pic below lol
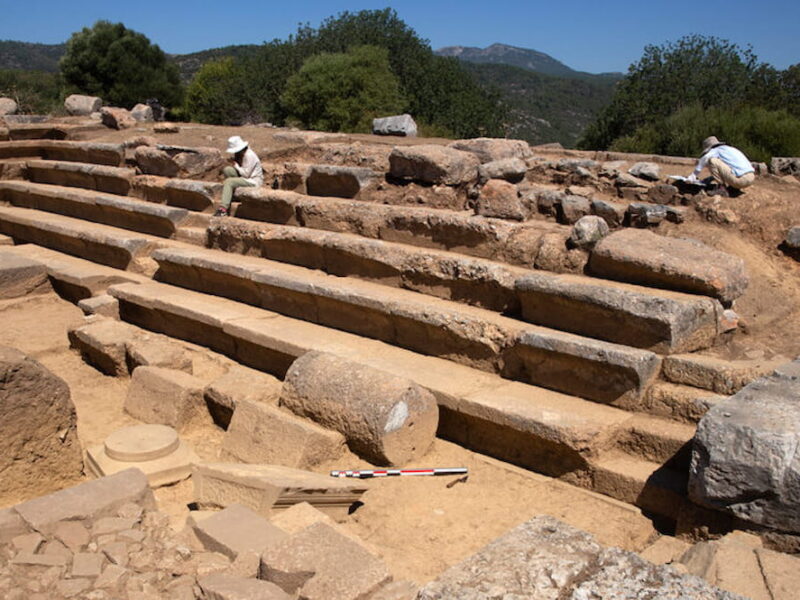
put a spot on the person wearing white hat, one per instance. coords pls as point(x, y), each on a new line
point(728, 166)
point(245, 172)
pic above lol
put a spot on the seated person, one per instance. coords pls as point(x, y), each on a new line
point(245, 172)
point(728, 166)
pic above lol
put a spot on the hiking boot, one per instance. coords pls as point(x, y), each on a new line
point(221, 212)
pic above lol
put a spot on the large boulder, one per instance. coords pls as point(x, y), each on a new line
point(683, 264)
point(746, 456)
point(153, 161)
point(433, 164)
point(197, 162)
point(39, 447)
point(82, 106)
point(338, 181)
point(142, 113)
point(491, 149)
point(7, 107)
point(402, 125)
point(117, 118)
point(545, 559)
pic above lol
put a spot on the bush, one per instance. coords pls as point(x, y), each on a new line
point(218, 94)
point(343, 92)
point(35, 92)
point(119, 65)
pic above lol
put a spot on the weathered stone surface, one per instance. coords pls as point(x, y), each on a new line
point(662, 322)
point(664, 550)
point(82, 106)
point(644, 214)
point(7, 106)
point(553, 254)
point(645, 170)
point(510, 169)
point(338, 181)
point(142, 113)
point(103, 344)
point(151, 351)
point(386, 419)
point(240, 384)
point(397, 590)
point(663, 193)
point(745, 459)
point(263, 488)
point(587, 231)
point(87, 501)
point(549, 201)
point(103, 305)
point(322, 564)
point(20, 276)
point(715, 374)
point(500, 199)
point(782, 165)
point(433, 164)
point(683, 264)
point(573, 208)
point(11, 525)
point(491, 149)
point(793, 238)
point(545, 559)
point(153, 161)
point(299, 516)
point(166, 397)
point(261, 433)
point(117, 118)
point(237, 529)
point(221, 586)
point(612, 212)
point(402, 125)
point(39, 448)
point(197, 162)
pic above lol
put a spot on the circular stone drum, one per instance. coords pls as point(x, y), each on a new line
point(142, 443)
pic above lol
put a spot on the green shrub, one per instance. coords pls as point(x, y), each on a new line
point(36, 92)
point(218, 94)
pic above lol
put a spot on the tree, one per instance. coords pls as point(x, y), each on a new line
point(343, 91)
point(219, 95)
point(119, 65)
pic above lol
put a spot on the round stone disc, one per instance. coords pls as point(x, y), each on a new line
point(142, 443)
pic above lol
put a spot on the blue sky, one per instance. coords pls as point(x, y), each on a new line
point(589, 36)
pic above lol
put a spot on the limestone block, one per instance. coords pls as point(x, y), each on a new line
point(82, 106)
point(237, 529)
point(154, 449)
point(150, 351)
point(714, 374)
point(645, 170)
point(385, 419)
point(322, 564)
point(103, 305)
point(665, 550)
point(142, 112)
point(240, 384)
point(338, 181)
point(197, 162)
point(166, 397)
point(153, 161)
point(499, 199)
point(641, 256)
point(491, 149)
point(260, 433)
point(102, 344)
point(221, 586)
point(510, 169)
point(117, 118)
point(433, 164)
point(401, 125)
point(20, 276)
point(266, 487)
point(39, 448)
point(781, 573)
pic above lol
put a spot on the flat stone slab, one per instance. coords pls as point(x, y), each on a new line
point(183, 193)
point(154, 449)
point(433, 164)
point(682, 264)
point(103, 344)
point(114, 180)
point(165, 396)
point(745, 459)
point(715, 374)
point(240, 384)
point(20, 276)
point(266, 487)
point(545, 559)
point(237, 529)
point(84, 152)
point(338, 181)
point(221, 586)
point(664, 322)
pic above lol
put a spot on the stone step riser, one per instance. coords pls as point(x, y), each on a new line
point(113, 180)
point(83, 152)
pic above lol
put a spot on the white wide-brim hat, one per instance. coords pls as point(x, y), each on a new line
point(236, 144)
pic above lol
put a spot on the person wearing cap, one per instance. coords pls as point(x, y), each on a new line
point(245, 172)
point(728, 166)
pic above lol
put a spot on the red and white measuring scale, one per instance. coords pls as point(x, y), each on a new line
point(368, 473)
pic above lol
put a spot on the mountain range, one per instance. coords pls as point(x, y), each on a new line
point(547, 100)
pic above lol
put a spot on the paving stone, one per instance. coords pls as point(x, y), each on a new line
point(781, 573)
point(227, 587)
point(43, 560)
point(11, 525)
point(238, 385)
point(264, 487)
point(87, 565)
point(69, 588)
point(237, 529)
point(323, 564)
point(260, 433)
point(166, 397)
point(28, 543)
point(111, 577)
point(107, 525)
point(116, 552)
point(433, 164)
point(56, 548)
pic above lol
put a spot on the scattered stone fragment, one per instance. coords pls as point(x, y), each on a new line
point(397, 590)
point(69, 588)
point(166, 397)
point(72, 534)
point(240, 384)
point(499, 199)
point(82, 106)
point(42, 560)
point(401, 125)
point(782, 165)
point(645, 170)
point(676, 214)
point(227, 587)
point(549, 202)
point(261, 433)
point(588, 231)
point(87, 565)
point(264, 487)
point(433, 164)
point(237, 529)
point(385, 419)
point(322, 564)
point(492, 149)
point(103, 305)
point(665, 550)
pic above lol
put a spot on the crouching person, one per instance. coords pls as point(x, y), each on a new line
point(730, 169)
point(245, 172)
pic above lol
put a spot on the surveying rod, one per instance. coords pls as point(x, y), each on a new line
point(368, 473)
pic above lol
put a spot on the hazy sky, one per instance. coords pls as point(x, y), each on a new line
point(592, 36)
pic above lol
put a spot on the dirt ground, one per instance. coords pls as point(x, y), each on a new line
point(420, 526)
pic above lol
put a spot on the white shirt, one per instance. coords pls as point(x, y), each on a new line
point(250, 168)
point(731, 156)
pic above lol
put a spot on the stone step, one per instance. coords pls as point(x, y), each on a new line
point(84, 152)
point(533, 243)
point(102, 178)
point(183, 193)
point(676, 402)
point(118, 211)
point(659, 440)
point(468, 335)
point(651, 486)
point(99, 243)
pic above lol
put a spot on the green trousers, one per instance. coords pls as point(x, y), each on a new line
point(232, 181)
